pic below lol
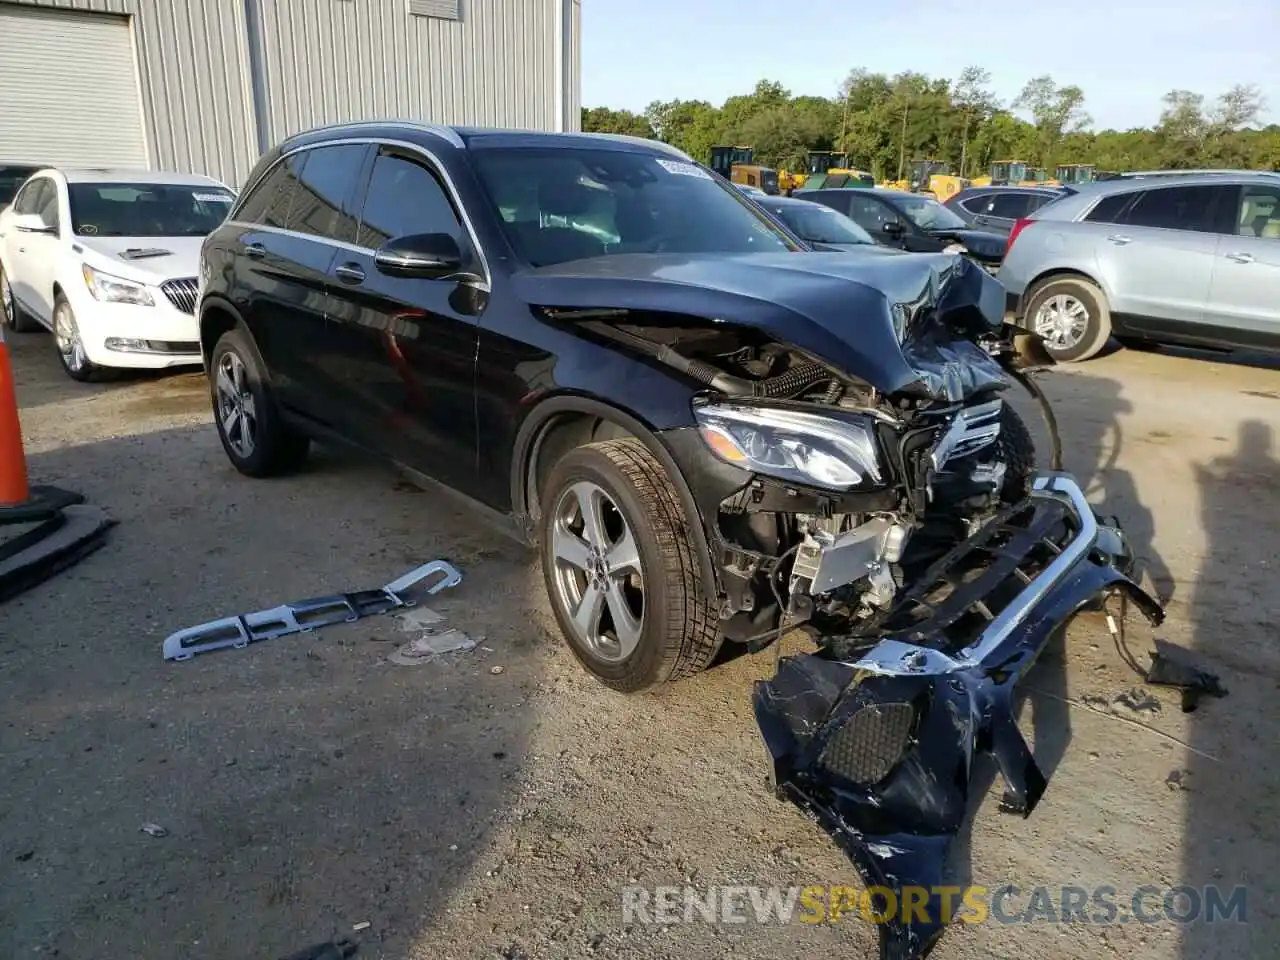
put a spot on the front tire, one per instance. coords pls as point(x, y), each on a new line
point(12, 314)
point(66, 338)
point(254, 435)
point(1072, 316)
point(620, 569)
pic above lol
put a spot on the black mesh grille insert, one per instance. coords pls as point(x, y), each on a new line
point(865, 749)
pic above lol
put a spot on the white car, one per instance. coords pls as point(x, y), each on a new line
point(108, 261)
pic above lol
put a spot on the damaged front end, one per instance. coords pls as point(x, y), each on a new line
point(876, 735)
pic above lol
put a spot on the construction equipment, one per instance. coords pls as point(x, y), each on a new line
point(736, 165)
point(1004, 173)
point(829, 170)
point(1073, 174)
point(931, 176)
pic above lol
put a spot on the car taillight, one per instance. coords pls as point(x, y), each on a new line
point(1021, 224)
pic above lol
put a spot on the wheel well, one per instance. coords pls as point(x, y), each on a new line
point(560, 434)
point(214, 322)
point(1056, 275)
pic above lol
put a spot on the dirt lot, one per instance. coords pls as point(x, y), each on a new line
point(308, 785)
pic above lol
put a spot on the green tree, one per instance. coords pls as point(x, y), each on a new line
point(976, 103)
point(1055, 110)
point(604, 120)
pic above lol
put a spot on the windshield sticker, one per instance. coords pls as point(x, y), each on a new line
point(684, 169)
point(213, 197)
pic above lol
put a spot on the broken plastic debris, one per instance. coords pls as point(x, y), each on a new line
point(497, 669)
point(154, 830)
point(1173, 667)
point(431, 645)
point(362, 925)
point(303, 616)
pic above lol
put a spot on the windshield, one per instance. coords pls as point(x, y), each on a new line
point(562, 204)
point(929, 214)
point(147, 209)
point(819, 224)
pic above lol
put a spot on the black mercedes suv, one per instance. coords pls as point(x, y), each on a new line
point(710, 431)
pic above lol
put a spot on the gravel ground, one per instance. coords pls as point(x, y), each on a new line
point(309, 785)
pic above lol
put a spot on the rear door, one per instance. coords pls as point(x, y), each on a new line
point(1000, 211)
point(1157, 260)
point(1244, 297)
point(283, 261)
point(403, 350)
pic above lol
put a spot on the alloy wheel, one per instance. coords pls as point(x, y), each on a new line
point(598, 578)
point(67, 335)
point(236, 408)
point(1062, 320)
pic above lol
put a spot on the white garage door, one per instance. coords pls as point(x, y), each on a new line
point(68, 89)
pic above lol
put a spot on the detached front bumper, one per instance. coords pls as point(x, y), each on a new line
point(876, 735)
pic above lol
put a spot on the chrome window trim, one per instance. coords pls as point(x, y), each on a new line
point(485, 283)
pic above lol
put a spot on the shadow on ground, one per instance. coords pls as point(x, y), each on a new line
point(306, 785)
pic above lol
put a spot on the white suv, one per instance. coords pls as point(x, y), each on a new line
point(107, 260)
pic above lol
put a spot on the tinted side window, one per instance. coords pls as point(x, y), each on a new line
point(1011, 206)
point(870, 214)
point(1108, 209)
point(25, 201)
point(324, 199)
point(47, 203)
point(268, 202)
point(404, 198)
point(1174, 208)
point(978, 204)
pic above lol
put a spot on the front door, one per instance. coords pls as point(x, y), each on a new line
point(1158, 260)
point(32, 257)
point(405, 348)
point(1244, 296)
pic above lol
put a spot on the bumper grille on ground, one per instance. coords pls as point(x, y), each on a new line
point(182, 293)
point(866, 748)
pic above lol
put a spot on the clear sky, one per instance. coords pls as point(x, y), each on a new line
point(1124, 55)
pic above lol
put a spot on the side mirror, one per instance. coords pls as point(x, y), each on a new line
point(32, 223)
point(893, 229)
point(432, 256)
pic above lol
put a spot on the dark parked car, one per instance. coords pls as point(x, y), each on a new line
point(997, 209)
point(709, 432)
point(912, 222)
point(821, 227)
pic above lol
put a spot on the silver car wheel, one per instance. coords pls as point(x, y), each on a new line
point(598, 579)
point(237, 410)
point(1062, 320)
point(67, 335)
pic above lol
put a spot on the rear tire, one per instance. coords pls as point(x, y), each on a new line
point(668, 629)
point(13, 315)
point(254, 435)
point(1072, 315)
point(1018, 450)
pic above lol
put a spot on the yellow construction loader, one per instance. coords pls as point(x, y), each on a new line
point(736, 165)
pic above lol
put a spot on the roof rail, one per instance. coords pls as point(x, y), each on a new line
point(1137, 174)
point(436, 129)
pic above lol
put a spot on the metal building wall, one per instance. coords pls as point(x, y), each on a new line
point(329, 61)
point(194, 81)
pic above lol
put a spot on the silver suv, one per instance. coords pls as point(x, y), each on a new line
point(1192, 258)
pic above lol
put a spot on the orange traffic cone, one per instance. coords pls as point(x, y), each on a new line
point(13, 461)
point(42, 529)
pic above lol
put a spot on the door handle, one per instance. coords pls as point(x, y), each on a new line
point(1240, 257)
point(1119, 239)
point(255, 251)
point(351, 273)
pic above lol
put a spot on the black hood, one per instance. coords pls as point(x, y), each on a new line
point(986, 246)
point(864, 315)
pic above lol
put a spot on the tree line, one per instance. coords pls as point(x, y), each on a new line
point(884, 122)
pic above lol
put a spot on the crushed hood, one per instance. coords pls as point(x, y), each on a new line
point(145, 259)
point(865, 316)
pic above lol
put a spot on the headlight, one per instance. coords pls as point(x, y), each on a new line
point(791, 445)
point(111, 289)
